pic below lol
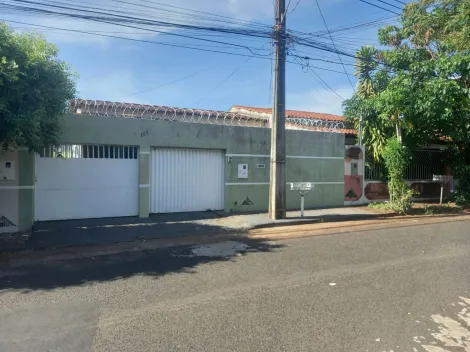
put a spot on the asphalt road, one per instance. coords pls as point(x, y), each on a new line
point(403, 289)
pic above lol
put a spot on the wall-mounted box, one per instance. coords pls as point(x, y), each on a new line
point(242, 170)
point(7, 170)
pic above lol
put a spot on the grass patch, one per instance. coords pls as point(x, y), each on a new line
point(420, 208)
point(441, 209)
point(380, 206)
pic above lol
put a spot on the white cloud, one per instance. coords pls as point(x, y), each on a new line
point(320, 100)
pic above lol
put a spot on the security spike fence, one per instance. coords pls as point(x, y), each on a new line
point(424, 164)
point(226, 118)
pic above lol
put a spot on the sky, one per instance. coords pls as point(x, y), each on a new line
point(129, 71)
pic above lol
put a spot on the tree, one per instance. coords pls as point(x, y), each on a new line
point(35, 87)
point(418, 90)
point(421, 83)
point(361, 108)
point(396, 157)
point(429, 66)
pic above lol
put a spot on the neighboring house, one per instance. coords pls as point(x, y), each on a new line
point(304, 120)
point(118, 159)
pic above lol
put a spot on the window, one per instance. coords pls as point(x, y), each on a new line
point(79, 151)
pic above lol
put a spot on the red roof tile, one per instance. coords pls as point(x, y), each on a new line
point(319, 129)
point(293, 113)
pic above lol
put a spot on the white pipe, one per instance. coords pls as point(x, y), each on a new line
point(442, 192)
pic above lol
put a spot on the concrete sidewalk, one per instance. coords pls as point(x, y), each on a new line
point(58, 234)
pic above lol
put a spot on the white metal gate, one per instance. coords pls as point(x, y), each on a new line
point(187, 180)
point(96, 183)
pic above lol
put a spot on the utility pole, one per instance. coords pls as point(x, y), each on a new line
point(277, 184)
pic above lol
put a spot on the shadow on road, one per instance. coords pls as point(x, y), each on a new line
point(68, 233)
point(45, 273)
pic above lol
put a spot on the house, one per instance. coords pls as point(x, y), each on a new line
point(304, 120)
point(120, 159)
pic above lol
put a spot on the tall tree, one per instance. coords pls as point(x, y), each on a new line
point(34, 89)
point(421, 83)
point(361, 109)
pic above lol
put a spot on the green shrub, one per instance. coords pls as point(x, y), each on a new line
point(461, 174)
point(396, 158)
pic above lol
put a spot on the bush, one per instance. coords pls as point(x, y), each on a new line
point(396, 158)
point(462, 184)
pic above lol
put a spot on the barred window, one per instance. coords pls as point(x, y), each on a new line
point(86, 151)
point(423, 165)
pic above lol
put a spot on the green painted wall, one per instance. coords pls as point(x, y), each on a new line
point(322, 197)
point(17, 196)
point(144, 180)
point(234, 140)
point(9, 193)
point(82, 129)
point(241, 141)
point(297, 170)
point(26, 192)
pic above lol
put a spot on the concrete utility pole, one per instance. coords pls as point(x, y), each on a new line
point(277, 185)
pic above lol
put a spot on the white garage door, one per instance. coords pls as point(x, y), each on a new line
point(187, 180)
point(92, 182)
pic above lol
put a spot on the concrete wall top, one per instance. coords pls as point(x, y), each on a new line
point(84, 129)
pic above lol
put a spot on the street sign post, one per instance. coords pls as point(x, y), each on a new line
point(303, 188)
point(442, 179)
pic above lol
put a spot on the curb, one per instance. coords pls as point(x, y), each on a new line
point(354, 226)
point(266, 234)
point(284, 223)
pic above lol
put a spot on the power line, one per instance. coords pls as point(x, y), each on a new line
point(316, 45)
point(227, 78)
point(380, 7)
point(119, 19)
point(349, 27)
point(223, 81)
point(139, 40)
point(161, 43)
point(191, 10)
point(184, 14)
point(109, 21)
point(400, 2)
point(320, 80)
point(287, 9)
point(323, 60)
point(112, 21)
point(254, 20)
point(139, 33)
point(175, 81)
point(334, 45)
point(386, 3)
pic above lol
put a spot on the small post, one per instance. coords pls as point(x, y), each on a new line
point(303, 188)
point(442, 192)
point(443, 180)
